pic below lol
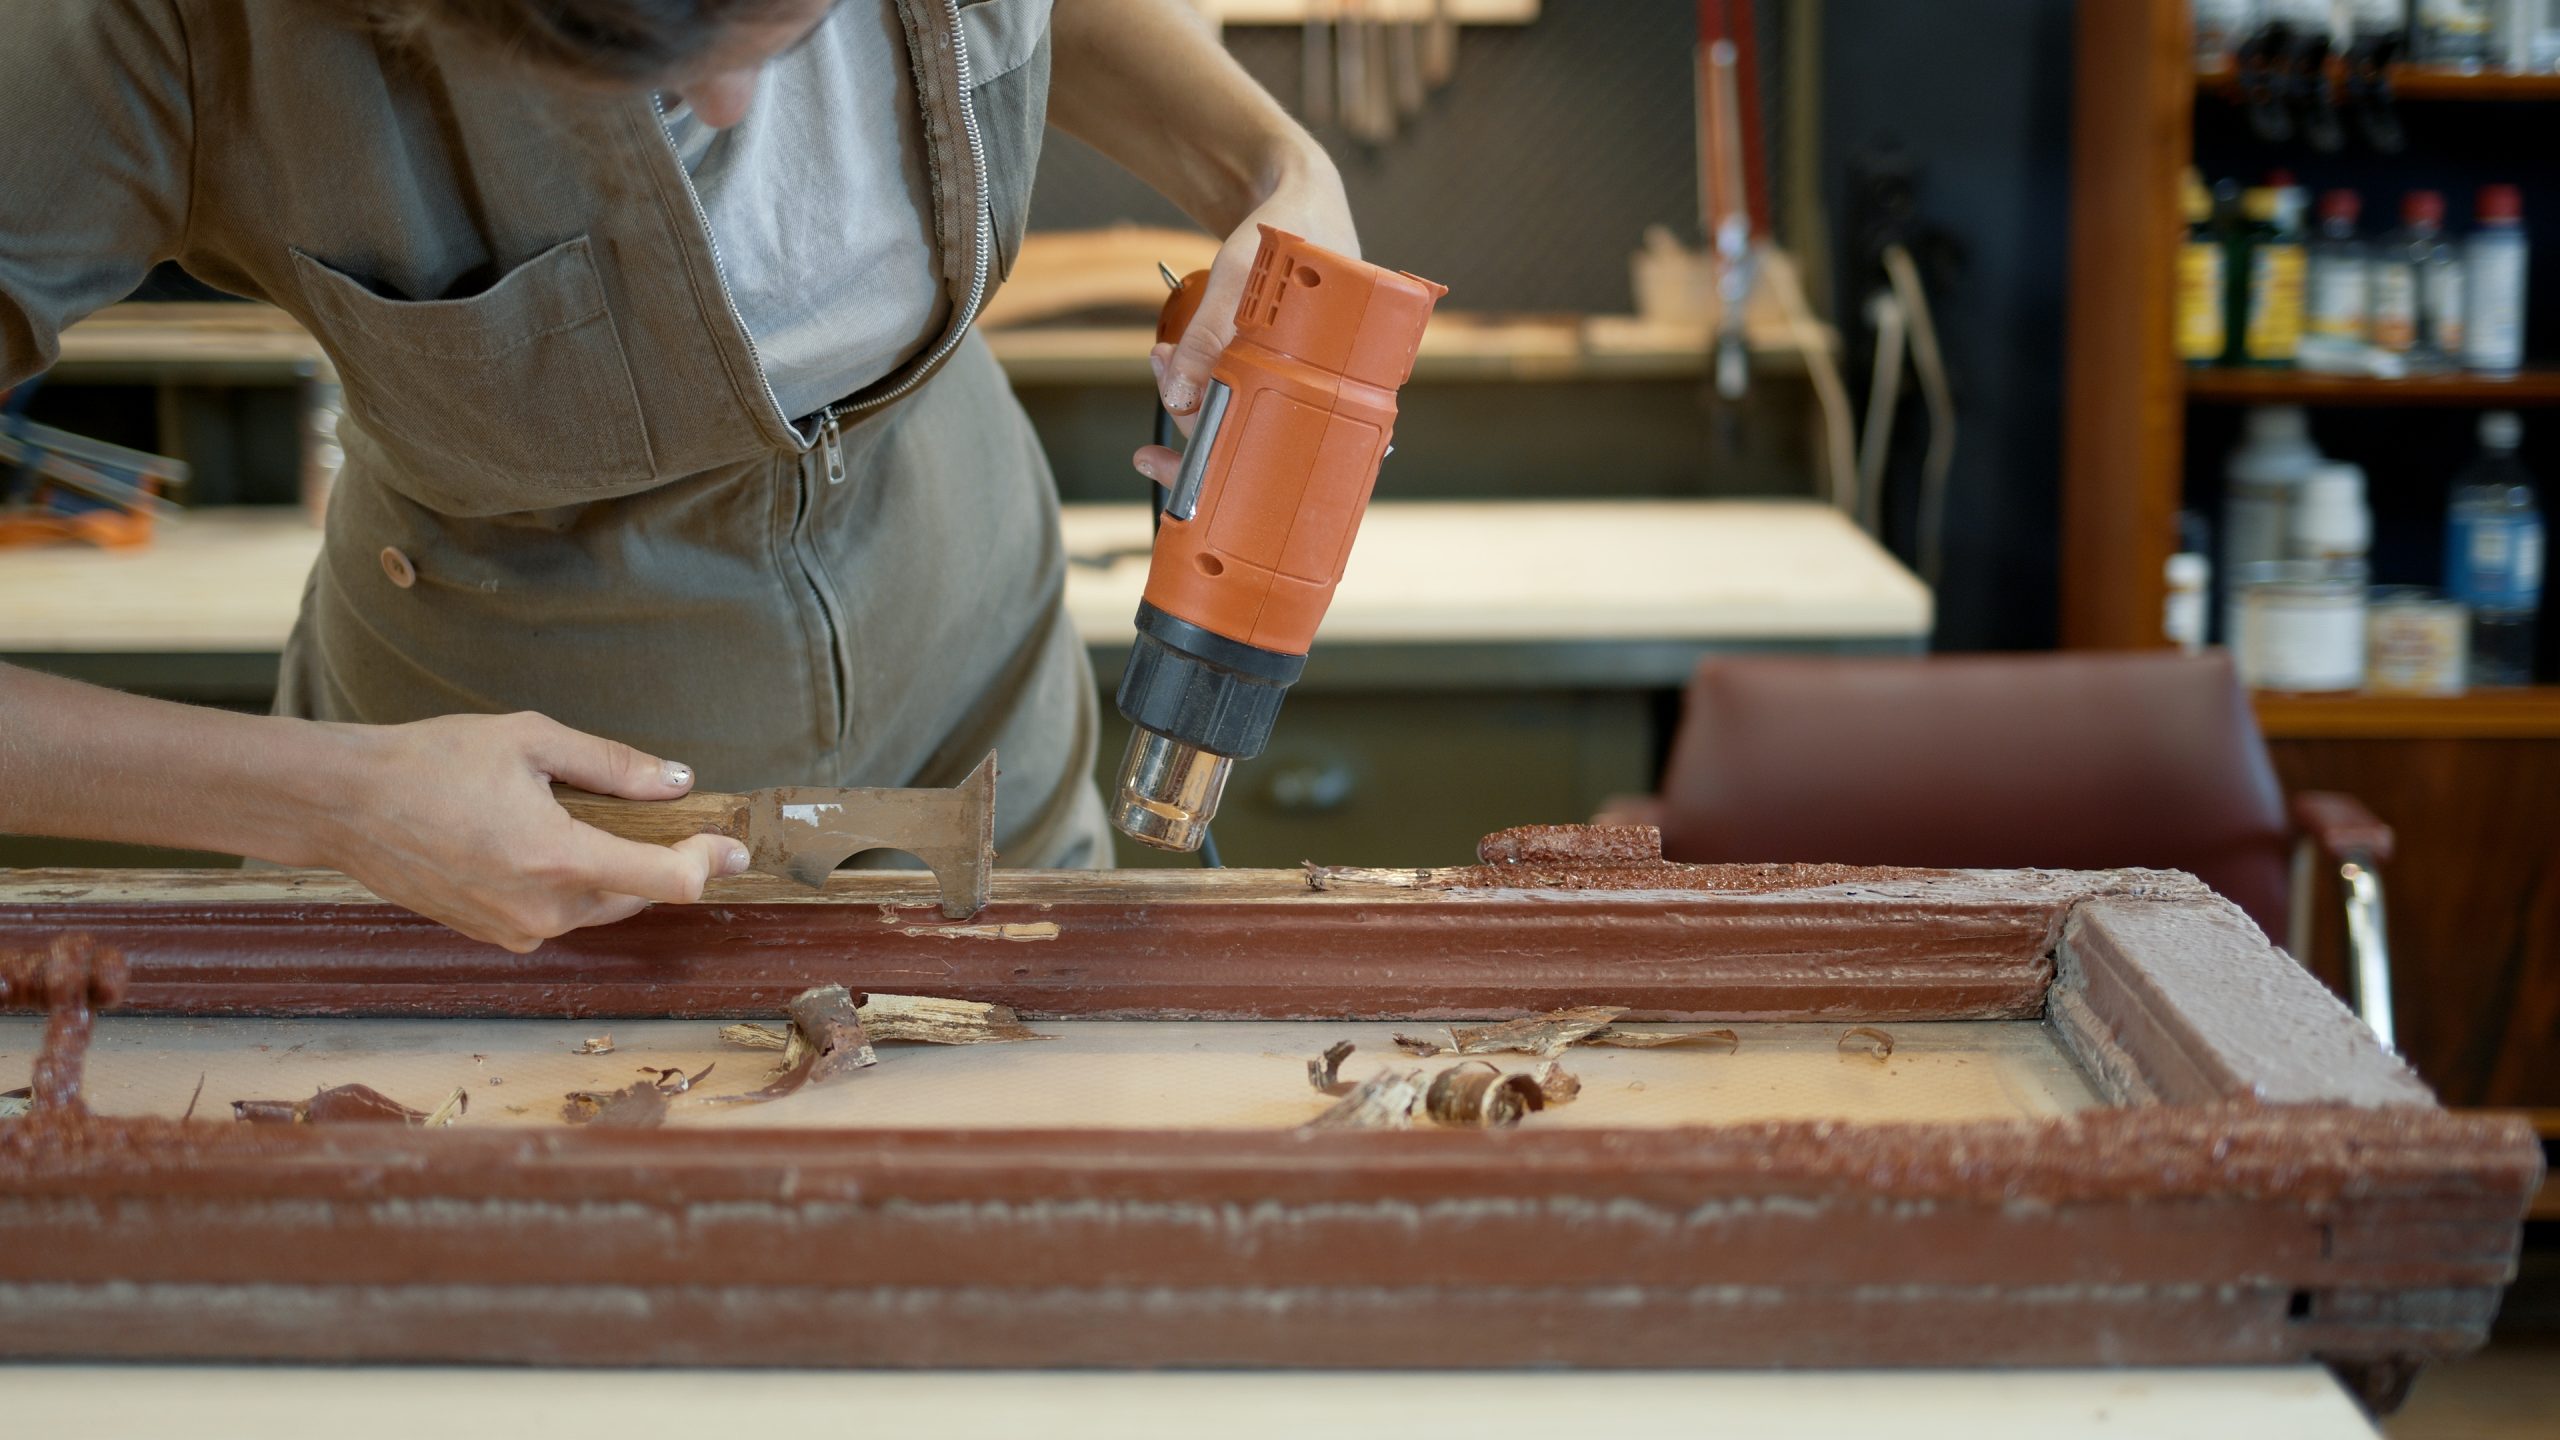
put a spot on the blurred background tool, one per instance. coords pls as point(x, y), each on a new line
point(1300, 412)
point(56, 486)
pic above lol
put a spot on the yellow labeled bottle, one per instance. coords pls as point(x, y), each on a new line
point(2271, 333)
point(2200, 279)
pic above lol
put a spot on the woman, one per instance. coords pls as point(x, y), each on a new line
point(664, 416)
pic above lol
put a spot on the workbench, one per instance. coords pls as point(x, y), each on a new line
point(1527, 643)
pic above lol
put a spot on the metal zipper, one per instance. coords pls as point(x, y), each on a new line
point(986, 223)
point(800, 468)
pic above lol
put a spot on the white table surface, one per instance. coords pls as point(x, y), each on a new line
point(229, 581)
point(304, 1403)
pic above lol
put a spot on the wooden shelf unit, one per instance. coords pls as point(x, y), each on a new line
point(2238, 385)
point(2523, 713)
point(2424, 82)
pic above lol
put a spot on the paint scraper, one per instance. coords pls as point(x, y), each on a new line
point(803, 832)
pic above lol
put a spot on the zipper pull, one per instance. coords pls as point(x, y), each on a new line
point(831, 445)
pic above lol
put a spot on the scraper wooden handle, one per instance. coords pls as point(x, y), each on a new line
point(658, 822)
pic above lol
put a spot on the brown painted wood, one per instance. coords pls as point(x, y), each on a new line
point(2473, 899)
point(2131, 123)
point(2307, 1201)
point(658, 822)
point(1134, 944)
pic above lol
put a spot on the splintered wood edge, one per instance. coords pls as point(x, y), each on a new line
point(2188, 1003)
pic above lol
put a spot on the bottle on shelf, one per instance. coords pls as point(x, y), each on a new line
point(2302, 620)
point(2201, 340)
point(2461, 34)
point(2337, 320)
point(2494, 258)
point(2260, 482)
point(2220, 26)
point(2415, 273)
point(2494, 552)
point(2266, 267)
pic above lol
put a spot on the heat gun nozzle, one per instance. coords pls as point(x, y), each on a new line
point(1168, 791)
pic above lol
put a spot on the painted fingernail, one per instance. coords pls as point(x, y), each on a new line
point(1181, 396)
point(733, 861)
point(676, 774)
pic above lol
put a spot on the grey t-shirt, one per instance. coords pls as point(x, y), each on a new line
point(819, 210)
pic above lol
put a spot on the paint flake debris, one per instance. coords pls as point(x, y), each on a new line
point(1541, 1035)
point(1325, 1071)
point(826, 1042)
point(14, 1103)
point(596, 1045)
point(1866, 1040)
point(1555, 1083)
point(1019, 930)
point(1661, 1039)
point(640, 1105)
point(1477, 1095)
point(931, 1020)
point(755, 1037)
point(337, 1105)
point(1384, 1101)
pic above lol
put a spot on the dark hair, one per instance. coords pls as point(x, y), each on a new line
point(633, 41)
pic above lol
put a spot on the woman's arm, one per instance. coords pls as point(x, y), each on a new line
point(1146, 83)
point(450, 817)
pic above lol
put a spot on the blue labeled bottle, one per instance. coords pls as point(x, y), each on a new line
point(2494, 552)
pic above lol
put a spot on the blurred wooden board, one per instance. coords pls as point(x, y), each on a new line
point(231, 580)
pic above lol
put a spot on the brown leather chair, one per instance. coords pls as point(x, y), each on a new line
point(2068, 761)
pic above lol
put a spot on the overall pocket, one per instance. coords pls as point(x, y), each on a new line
point(516, 398)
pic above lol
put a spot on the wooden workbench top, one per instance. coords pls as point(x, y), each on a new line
point(229, 581)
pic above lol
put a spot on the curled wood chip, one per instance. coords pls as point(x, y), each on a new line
point(755, 1037)
point(1384, 1101)
point(1325, 1071)
point(1542, 1035)
point(451, 1110)
point(639, 1105)
point(1477, 1095)
point(827, 1041)
point(1416, 1046)
point(1661, 1039)
point(935, 1021)
point(596, 1045)
point(1866, 1040)
point(1554, 1083)
point(676, 1082)
point(337, 1105)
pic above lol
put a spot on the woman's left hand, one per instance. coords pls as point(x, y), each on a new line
point(1307, 201)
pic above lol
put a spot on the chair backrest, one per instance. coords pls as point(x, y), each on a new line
point(2072, 760)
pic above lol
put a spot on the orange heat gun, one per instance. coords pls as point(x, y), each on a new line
point(1299, 412)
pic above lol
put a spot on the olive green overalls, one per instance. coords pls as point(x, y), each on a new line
point(556, 431)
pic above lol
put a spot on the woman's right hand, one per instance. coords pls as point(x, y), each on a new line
point(453, 818)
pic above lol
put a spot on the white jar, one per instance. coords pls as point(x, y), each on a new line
point(2302, 626)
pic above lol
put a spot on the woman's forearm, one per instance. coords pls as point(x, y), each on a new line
point(85, 763)
point(1146, 83)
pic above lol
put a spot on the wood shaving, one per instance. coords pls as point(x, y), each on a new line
point(1866, 1040)
point(1477, 1095)
point(1541, 1035)
point(1420, 1048)
point(451, 1110)
point(676, 1082)
point(595, 1045)
point(934, 1021)
point(1384, 1101)
point(1555, 1083)
point(755, 1037)
point(1325, 1071)
point(1661, 1039)
point(337, 1105)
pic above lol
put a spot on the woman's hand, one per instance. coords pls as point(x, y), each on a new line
point(1146, 83)
point(1307, 201)
point(454, 819)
